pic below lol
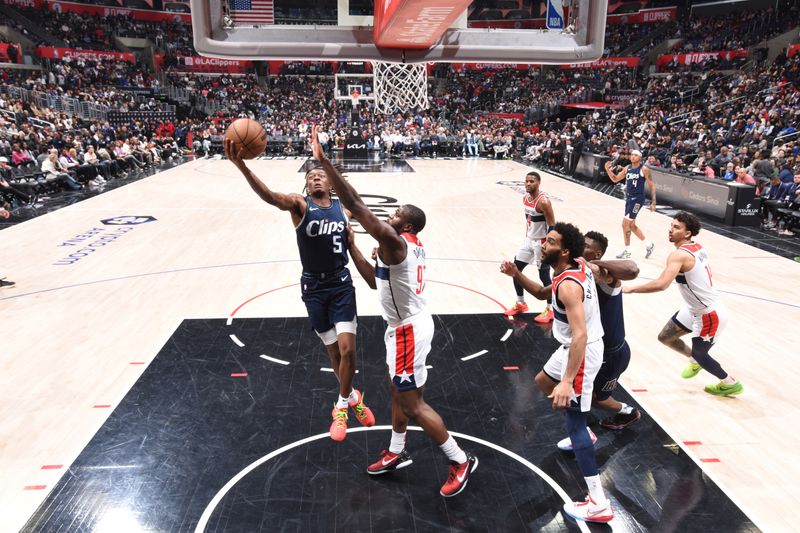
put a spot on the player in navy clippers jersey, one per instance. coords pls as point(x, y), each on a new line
point(616, 352)
point(399, 277)
point(327, 287)
point(635, 176)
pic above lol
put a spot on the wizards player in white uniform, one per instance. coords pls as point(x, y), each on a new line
point(327, 286)
point(568, 376)
point(399, 276)
point(635, 176)
point(703, 314)
point(539, 217)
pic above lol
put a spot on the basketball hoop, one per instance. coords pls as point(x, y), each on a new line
point(400, 86)
point(354, 96)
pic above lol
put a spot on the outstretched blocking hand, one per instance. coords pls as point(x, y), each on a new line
point(316, 147)
point(235, 156)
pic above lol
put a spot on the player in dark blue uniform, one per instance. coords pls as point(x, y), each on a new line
point(617, 353)
point(635, 176)
point(321, 225)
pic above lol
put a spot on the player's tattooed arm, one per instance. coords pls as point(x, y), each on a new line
point(510, 269)
point(609, 272)
point(363, 266)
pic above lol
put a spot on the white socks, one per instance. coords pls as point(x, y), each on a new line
point(453, 452)
point(343, 402)
point(625, 409)
point(595, 489)
point(729, 380)
point(398, 442)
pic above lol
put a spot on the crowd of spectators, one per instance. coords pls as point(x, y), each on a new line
point(740, 29)
point(619, 37)
point(44, 149)
point(108, 83)
point(485, 112)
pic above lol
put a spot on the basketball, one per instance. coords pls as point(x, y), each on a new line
point(247, 134)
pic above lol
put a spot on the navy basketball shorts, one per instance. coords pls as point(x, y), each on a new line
point(633, 206)
point(614, 364)
point(329, 300)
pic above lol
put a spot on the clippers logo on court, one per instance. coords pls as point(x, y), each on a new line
point(133, 220)
point(87, 243)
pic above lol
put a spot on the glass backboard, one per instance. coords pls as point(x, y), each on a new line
point(494, 31)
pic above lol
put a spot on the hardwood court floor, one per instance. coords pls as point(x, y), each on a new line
point(95, 302)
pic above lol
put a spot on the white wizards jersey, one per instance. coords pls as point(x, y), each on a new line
point(591, 308)
point(400, 286)
point(695, 285)
point(536, 225)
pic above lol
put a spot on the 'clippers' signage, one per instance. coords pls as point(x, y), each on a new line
point(95, 55)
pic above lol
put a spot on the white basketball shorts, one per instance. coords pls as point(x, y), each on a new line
point(706, 325)
point(407, 349)
point(581, 397)
point(530, 252)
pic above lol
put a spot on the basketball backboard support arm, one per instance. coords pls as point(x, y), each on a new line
point(212, 37)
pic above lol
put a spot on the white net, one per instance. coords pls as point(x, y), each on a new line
point(400, 86)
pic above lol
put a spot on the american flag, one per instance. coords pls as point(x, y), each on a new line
point(252, 11)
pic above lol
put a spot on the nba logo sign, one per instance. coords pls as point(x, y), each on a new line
point(555, 14)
